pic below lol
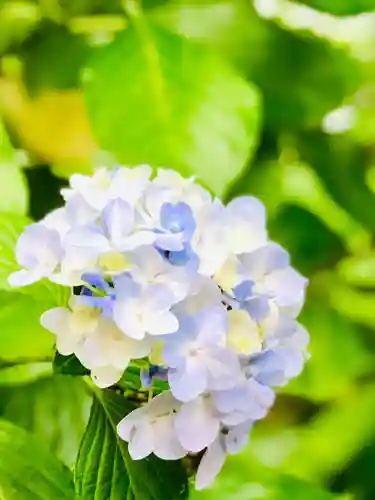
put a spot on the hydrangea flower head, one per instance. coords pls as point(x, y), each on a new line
point(167, 279)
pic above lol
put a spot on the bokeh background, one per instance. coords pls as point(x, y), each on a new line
point(311, 161)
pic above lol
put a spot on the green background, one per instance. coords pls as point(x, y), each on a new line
point(273, 98)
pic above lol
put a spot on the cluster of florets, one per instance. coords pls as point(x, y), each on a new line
point(164, 273)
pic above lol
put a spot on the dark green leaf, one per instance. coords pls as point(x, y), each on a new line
point(197, 114)
point(53, 59)
point(105, 469)
point(28, 471)
point(341, 7)
point(340, 164)
point(68, 365)
point(16, 23)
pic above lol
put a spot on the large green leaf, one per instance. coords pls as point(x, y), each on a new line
point(301, 77)
point(341, 7)
point(171, 103)
point(104, 468)
point(55, 409)
point(28, 471)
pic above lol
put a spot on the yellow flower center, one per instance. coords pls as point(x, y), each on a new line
point(244, 335)
point(114, 261)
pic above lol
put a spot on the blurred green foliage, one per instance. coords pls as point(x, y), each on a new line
point(270, 98)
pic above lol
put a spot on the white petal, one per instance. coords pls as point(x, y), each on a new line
point(138, 239)
point(189, 383)
point(125, 314)
point(25, 277)
point(196, 425)
point(142, 442)
point(162, 404)
point(105, 376)
point(57, 321)
point(167, 445)
point(210, 465)
point(162, 324)
point(127, 424)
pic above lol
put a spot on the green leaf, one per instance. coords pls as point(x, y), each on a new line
point(105, 469)
point(21, 335)
point(55, 409)
point(238, 482)
point(341, 7)
point(28, 471)
point(13, 374)
point(13, 187)
point(171, 103)
point(68, 365)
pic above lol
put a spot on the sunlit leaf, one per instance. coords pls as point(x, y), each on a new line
point(198, 115)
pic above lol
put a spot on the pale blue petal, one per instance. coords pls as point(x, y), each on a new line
point(210, 465)
point(243, 291)
point(264, 260)
point(223, 369)
point(258, 308)
point(288, 288)
point(249, 208)
point(126, 288)
point(169, 241)
point(188, 382)
point(237, 437)
point(212, 323)
point(178, 218)
point(117, 221)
